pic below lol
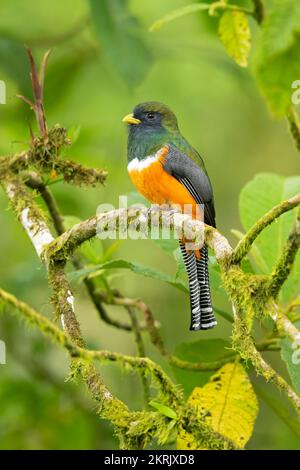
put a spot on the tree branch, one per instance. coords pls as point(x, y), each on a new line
point(156, 338)
point(244, 245)
point(35, 182)
point(64, 340)
point(137, 424)
point(285, 263)
point(244, 345)
point(64, 246)
point(283, 323)
point(35, 225)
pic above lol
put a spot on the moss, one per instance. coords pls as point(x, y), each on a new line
point(60, 297)
point(44, 156)
point(286, 261)
point(249, 292)
point(205, 436)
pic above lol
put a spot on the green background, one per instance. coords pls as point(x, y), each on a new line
point(220, 111)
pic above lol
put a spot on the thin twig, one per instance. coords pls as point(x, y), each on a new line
point(283, 323)
point(140, 350)
point(294, 124)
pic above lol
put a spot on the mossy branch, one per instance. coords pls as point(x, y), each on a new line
point(244, 345)
point(283, 323)
point(58, 251)
point(249, 292)
point(144, 423)
point(251, 295)
point(156, 337)
point(33, 221)
point(285, 263)
point(64, 246)
point(35, 182)
point(44, 156)
point(111, 408)
point(244, 245)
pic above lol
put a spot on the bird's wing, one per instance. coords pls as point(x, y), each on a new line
point(194, 178)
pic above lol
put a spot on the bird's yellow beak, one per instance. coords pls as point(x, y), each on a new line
point(129, 119)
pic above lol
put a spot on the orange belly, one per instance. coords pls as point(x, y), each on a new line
point(158, 186)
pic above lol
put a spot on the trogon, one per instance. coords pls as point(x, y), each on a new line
point(166, 169)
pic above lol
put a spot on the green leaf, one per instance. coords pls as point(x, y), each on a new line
point(205, 350)
point(290, 354)
point(235, 34)
point(228, 404)
point(134, 267)
point(70, 220)
point(175, 14)
point(262, 193)
point(254, 252)
point(121, 40)
point(92, 250)
point(280, 409)
point(112, 249)
point(163, 409)
point(277, 58)
point(169, 245)
point(134, 198)
point(214, 274)
point(73, 133)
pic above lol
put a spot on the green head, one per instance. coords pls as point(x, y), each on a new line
point(151, 125)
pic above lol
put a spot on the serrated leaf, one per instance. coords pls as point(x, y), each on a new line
point(136, 268)
point(277, 56)
point(178, 13)
point(290, 354)
point(163, 409)
point(121, 40)
point(260, 195)
point(235, 34)
point(202, 350)
point(228, 404)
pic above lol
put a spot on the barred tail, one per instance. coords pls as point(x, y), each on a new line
point(202, 317)
point(189, 259)
point(207, 315)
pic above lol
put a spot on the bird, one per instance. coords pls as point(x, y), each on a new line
point(166, 169)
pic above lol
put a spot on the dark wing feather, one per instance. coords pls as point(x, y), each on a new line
point(194, 178)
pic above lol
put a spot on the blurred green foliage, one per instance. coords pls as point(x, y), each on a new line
point(105, 61)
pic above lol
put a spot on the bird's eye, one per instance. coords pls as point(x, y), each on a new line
point(150, 115)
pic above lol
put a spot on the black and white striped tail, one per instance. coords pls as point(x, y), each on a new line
point(202, 316)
